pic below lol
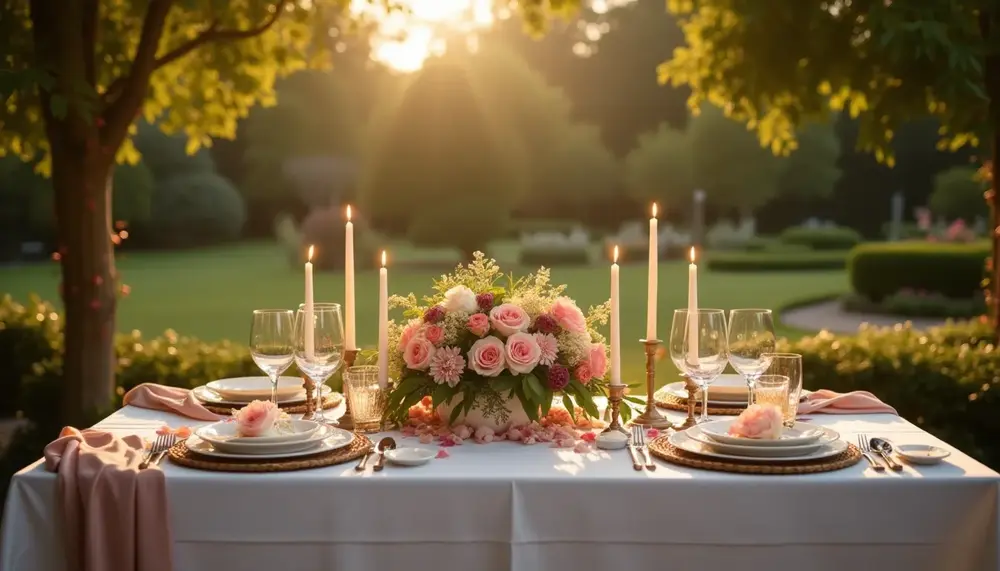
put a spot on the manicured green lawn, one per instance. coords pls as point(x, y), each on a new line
point(210, 293)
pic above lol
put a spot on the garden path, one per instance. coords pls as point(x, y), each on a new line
point(829, 315)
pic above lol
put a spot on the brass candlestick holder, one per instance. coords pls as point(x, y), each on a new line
point(652, 416)
point(347, 420)
point(615, 394)
point(309, 386)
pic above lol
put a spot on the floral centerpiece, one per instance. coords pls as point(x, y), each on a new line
point(490, 349)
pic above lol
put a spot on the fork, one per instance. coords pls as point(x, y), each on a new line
point(162, 444)
point(633, 451)
point(639, 437)
point(866, 450)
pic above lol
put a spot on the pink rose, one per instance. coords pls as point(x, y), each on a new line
point(568, 315)
point(486, 356)
point(583, 373)
point(434, 334)
point(478, 324)
point(256, 418)
point(484, 435)
point(508, 319)
point(409, 332)
point(760, 421)
point(417, 354)
point(462, 431)
point(598, 361)
point(522, 352)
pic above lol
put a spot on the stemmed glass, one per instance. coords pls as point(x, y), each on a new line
point(321, 360)
point(751, 343)
point(699, 349)
point(271, 344)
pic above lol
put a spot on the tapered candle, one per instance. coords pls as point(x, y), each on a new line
point(309, 324)
point(383, 325)
point(692, 310)
point(350, 335)
point(616, 343)
point(654, 260)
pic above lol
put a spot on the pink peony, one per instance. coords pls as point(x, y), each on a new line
point(548, 348)
point(508, 319)
point(568, 315)
point(558, 377)
point(256, 418)
point(583, 373)
point(411, 330)
point(598, 361)
point(522, 353)
point(484, 435)
point(447, 365)
point(418, 353)
point(759, 421)
point(486, 356)
point(478, 324)
point(434, 334)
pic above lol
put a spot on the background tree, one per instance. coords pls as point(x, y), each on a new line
point(958, 193)
point(78, 74)
point(777, 64)
point(659, 168)
point(579, 171)
point(811, 170)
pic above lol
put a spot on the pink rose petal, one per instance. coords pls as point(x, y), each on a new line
point(652, 433)
point(442, 453)
point(588, 437)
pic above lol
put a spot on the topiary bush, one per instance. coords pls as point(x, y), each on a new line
point(195, 209)
point(324, 228)
point(952, 270)
point(829, 238)
point(958, 193)
point(791, 261)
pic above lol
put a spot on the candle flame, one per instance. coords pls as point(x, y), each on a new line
point(348, 212)
point(654, 210)
point(310, 258)
point(616, 254)
point(383, 258)
point(692, 254)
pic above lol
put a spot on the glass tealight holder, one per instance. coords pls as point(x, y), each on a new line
point(788, 365)
point(367, 398)
point(773, 389)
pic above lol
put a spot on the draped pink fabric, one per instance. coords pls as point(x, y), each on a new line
point(115, 517)
point(855, 402)
point(170, 399)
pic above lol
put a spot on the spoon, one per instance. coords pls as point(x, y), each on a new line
point(885, 449)
point(386, 443)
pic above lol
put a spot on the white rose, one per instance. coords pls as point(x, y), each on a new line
point(460, 298)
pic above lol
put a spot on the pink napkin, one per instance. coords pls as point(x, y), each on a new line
point(115, 517)
point(170, 399)
point(855, 402)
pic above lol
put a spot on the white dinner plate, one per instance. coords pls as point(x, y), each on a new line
point(338, 439)
point(207, 395)
point(246, 389)
point(799, 434)
point(217, 436)
point(410, 455)
point(688, 444)
point(678, 390)
point(759, 451)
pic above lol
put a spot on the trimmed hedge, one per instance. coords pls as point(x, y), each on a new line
point(952, 270)
point(833, 238)
point(914, 305)
point(775, 261)
point(554, 256)
point(944, 379)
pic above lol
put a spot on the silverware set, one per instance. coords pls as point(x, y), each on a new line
point(158, 450)
point(383, 445)
point(639, 451)
point(875, 448)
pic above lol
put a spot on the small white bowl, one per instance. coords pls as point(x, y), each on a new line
point(921, 453)
point(410, 456)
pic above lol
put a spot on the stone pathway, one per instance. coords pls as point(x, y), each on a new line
point(828, 315)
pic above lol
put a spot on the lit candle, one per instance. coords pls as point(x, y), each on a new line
point(692, 310)
point(309, 325)
point(654, 260)
point(616, 344)
point(383, 325)
point(350, 341)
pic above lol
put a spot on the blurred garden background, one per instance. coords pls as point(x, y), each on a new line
point(574, 138)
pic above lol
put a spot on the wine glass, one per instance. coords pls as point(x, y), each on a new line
point(319, 348)
point(271, 343)
point(751, 343)
point(699, 349)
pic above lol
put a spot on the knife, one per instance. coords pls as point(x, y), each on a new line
point(636, 461)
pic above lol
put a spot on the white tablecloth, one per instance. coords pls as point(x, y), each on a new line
point(509, 506)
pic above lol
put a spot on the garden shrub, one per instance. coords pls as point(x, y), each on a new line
point(827, 238)
point(912, 304)
point(28, 335)
point(943, 379)
point(324, 228)
point(195, 209)
point(775, 261)
point(167, 156)
point(951, 270)
point(550, 256)
point(520, 226)
point(958, 193)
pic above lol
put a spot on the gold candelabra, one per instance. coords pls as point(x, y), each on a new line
point(652, 416)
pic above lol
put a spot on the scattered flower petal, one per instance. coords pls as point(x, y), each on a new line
point(442, 453)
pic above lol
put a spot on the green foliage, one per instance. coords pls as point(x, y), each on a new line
point(910, 304)
point(325, 229)
point(195, 209)
point(944, 379)
point(553, 255)
point(453, 186)
point(660, 168)
point(878, 270)
point(811, 170)
point(167, 156)
point(830, 238)
point(775, 261)
point(958, 193)
point(577, 171)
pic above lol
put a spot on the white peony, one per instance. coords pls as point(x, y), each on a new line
point(460, 298)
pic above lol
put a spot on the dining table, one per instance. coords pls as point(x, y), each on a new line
point(511, 506)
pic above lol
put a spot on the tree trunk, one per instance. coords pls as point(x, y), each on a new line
point(81, 176)
point(993, 199)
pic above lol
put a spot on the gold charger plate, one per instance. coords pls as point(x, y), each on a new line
point(662, 449)
point(181, 455)
point(332, 400)
point(669, 401)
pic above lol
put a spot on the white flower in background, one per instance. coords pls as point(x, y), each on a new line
point(460, 298)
